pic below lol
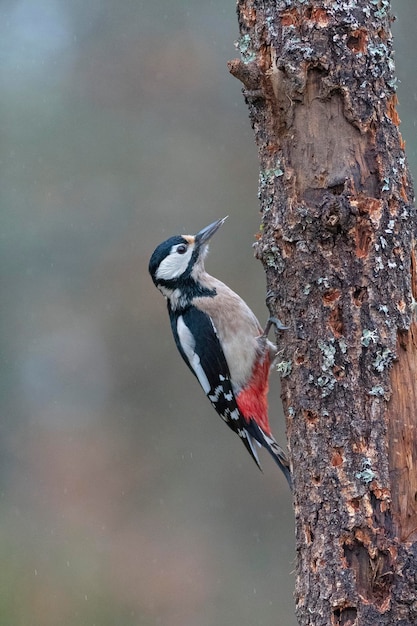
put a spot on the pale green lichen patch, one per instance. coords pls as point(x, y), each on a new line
point(377, 391)
point(369, 336)
point(327, 384)
point(384, 358)
point(284, 368)
point(366, 474)
point(244, 45)
point(328, 351)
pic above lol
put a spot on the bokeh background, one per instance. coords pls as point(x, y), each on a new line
point(123, 498)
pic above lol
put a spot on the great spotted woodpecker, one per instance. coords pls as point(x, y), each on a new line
point(220, 339)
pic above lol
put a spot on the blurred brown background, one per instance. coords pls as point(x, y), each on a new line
point(123, 498)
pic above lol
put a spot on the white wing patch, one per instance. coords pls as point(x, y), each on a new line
point(214, 397)
point(174, 264)
point(234, 415)
point(188, 345)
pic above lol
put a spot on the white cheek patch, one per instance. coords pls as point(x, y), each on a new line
point(188, 345)
point(174, 264)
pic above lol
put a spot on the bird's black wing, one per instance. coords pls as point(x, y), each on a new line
point(197, 341)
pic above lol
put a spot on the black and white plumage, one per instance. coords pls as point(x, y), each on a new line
point(219, 338)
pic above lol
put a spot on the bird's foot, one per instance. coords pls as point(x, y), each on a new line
point(273, 321)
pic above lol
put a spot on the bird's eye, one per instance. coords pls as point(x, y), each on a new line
point(182, 249)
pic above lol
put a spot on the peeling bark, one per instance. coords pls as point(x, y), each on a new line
point(337, 245)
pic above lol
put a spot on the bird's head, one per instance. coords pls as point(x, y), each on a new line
point(181, 257)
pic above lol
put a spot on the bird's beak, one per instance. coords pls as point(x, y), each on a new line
point(206, 233)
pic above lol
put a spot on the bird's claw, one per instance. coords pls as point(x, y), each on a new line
point(274, 321)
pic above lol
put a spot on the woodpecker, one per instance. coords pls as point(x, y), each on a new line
point(220, 339)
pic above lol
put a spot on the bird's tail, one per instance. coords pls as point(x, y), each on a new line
point(280, 458)
point(274, 449)
point(250, 444)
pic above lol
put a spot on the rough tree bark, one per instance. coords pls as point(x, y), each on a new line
point(337, 245)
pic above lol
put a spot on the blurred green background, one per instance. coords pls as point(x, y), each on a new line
point(124, 500)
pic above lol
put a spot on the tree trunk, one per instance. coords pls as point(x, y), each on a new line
point(337, 245)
